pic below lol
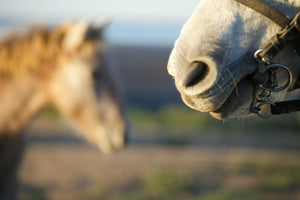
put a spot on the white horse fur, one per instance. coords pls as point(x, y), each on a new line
point(223, 35)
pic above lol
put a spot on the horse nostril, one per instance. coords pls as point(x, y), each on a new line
point(126, 138)
point(196, 73)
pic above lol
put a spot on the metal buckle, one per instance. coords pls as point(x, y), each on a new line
point(258, 109)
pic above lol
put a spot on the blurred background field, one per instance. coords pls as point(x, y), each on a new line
point(174, 152)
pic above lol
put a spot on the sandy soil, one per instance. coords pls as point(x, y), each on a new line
point(61, 165)
point(66, 172)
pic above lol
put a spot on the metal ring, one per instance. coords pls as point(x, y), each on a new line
point(259, 109)
point(289, 81)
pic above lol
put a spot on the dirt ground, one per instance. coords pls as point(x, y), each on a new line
point(58, 164)
point(67, 172)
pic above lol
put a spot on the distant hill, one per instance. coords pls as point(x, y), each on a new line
point(145, 76)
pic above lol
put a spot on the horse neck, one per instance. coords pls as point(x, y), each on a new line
point(20, 100)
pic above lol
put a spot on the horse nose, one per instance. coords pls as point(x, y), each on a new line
point(196, 73)
point(198, 77)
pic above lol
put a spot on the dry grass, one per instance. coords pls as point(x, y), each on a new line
point(58, 171)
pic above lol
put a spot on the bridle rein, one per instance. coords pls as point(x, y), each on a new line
point(286, 41)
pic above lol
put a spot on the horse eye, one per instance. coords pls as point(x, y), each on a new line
point(97, 77)
point(97, 74)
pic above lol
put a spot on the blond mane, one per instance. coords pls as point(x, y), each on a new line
point(38, 50)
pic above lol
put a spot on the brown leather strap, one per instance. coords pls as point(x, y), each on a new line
point(267, 11)
point(297, 84)
point(285, 107)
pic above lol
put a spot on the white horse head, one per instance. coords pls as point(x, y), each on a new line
point(213, 57)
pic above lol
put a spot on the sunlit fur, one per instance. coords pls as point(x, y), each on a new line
point(223, 34)
point(65, 66)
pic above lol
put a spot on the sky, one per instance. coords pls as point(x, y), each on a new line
point(152, 22)
point(127, 10)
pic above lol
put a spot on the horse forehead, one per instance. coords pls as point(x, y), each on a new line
point(75, 73)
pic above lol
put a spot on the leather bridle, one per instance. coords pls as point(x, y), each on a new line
point(265, 79)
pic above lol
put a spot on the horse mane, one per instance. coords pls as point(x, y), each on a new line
point(38, 50)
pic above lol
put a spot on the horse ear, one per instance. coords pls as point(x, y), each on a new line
point(95, 31)
point(100, 26)
point(75, 35)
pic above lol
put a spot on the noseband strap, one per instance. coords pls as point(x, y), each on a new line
point(285, 107)
point(267, 11)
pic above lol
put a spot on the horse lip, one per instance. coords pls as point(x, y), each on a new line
point(218, 115)
point(237, 104)
point(223, 111)
point(207, 104)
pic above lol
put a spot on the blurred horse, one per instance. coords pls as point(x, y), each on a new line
point(65, 66)
point(212, 61)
